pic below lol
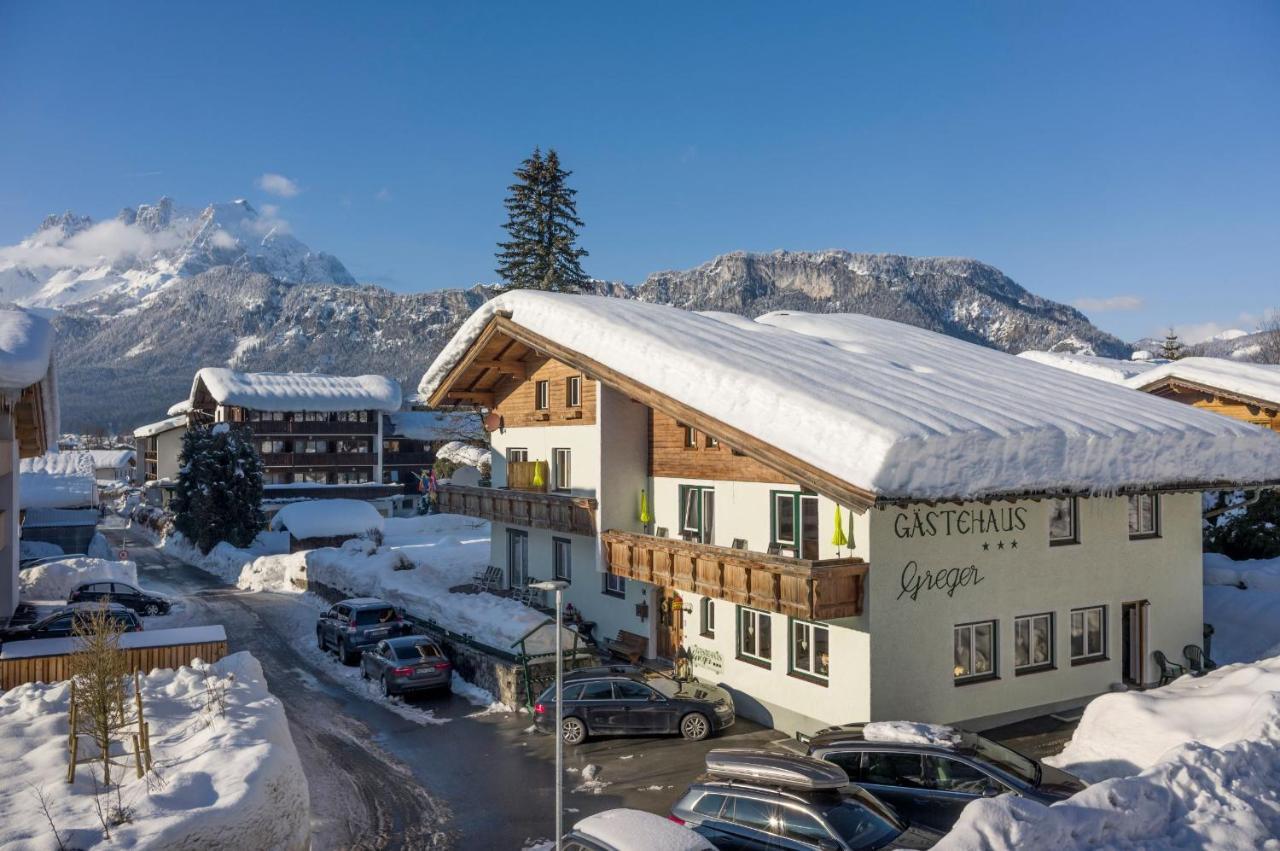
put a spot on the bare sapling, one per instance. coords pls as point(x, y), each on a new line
point(100, 676)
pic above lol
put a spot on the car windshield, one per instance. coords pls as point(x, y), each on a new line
point(369, 617)
point(416, 652)
point(863, 824)
point(1007, 760)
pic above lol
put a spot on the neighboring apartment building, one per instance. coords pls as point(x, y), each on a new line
point(28, 426)
point(1016, 539)
point(160, 442)
point(410, 440)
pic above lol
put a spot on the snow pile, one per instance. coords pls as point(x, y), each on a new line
point(325, 518)
point(57, 579)
point(1208, 753)
point(911, 732)
point(1254, 380)
point(889, 408)
point(298, 391)
point(230, 781)
point(117, 459)
point(1105, 369)
point(623, 828)
point(1241, 601)
point(1262, 574)
point(464, 454)
point(38, 549)
point(437, 425)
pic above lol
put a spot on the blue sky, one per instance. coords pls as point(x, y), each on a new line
point(1112, 155)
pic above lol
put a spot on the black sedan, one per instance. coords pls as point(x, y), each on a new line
point(407, 664)
point(122, 593)
point(931, 780)
point(62, 623)
point(626, 700)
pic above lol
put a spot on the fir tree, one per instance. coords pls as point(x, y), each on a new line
point(219, 492)
point(1171, 348)
point(1246, 532)
point(542, 221)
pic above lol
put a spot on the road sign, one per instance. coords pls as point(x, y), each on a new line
point(124, 554)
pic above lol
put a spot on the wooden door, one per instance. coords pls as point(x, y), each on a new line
point(670, 623)
point(1133, 633)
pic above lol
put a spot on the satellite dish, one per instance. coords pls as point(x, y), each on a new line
point(492, 421)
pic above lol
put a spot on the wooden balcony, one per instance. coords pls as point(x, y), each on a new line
point(574, 515)
point(802, 588)
point(521, 476)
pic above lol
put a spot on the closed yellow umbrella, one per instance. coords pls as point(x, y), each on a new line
point(645, 516)
point(837, 537)
point(538, 481)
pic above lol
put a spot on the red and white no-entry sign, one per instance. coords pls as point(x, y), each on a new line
point(124, 554)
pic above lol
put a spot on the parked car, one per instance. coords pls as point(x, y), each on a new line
point(761, 799)
point(407, 664)
point(932, 780)
point(627, 700)
point(352, 625)
point(61, 623)
point(38, 560)
point(122, 593)
point(632, 830)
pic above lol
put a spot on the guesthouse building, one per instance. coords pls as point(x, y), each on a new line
point(840, 518)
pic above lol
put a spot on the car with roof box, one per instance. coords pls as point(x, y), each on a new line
point(752, 798)
point(930, 773)
point(408, 663)
point(350, 626)
point(624, 700)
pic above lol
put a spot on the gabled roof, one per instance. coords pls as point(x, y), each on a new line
point(152, 429)
point(1105, 369)
point(859, 408)
point(297, 391)
point(1253, 382)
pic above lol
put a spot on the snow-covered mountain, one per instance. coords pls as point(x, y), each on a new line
point(121, 262)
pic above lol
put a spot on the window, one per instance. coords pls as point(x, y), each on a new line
point(614, 586)
point(713, 442)
point(351, 477)
point(561, 558)
point(798, 825)
point(311, 477)
point(709, 805)
point(755, 638)
point(573, 391)
point(883, 768)
point(390, 446)
point(352, 445)
point(597, 690)
point(784, 519)
point(750, 812)
point(1144, 515)
point(562, 459)
point(707, 611)
point(1033, 643)
point(517, 456)
point(810, 650)
point(626, 690)
point(952, 775)
point(311, 447)
point(1088, 634)
point(272, 446)
point(275, 477)
point(1063, 522)
point(697, 513)
point(517, 558)
point(391, 477)
point(542, 395)
point(690, 438)
point(975, 651)
point(795, 524)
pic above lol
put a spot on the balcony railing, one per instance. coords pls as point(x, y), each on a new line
point(399, 459)
point(574, 515)
point(319, 459)
point(267, 428)
point(802, 588)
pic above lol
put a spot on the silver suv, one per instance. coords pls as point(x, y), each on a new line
point(349, 627)
point(761, 799)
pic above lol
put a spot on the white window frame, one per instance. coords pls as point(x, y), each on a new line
point(792, 513)
point(1089, 652)
point(971, 629)
point(562, 568)
point(573, 391)
point(1028, 622)
point(562, 475)
point(614, 586)
point(807, 666)
point(1073, 537)
point(1134, 505)
point(542, 395)
point(517, 455)
point(761, 622)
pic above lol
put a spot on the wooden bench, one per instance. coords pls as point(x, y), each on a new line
point(628, 645)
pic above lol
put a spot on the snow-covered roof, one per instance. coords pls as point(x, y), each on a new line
point(45, 517)
point(299, 391)
point(1106, 369)
point(1253, 380)
point(179, 407)
point(152, 429)
point(117, 458)
point(26, 349)
point(57, 480)
point(893, 410)
point(326, 518)
point(437, 425)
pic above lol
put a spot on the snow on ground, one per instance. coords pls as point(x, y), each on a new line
point(1242, 601)
point(57, 579)
point(230, 781)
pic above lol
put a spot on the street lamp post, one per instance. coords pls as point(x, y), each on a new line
point(558, 586)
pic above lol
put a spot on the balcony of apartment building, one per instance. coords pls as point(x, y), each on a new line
point(269, 428)
point(525, 501)
point(319, 459)
point(810, 589)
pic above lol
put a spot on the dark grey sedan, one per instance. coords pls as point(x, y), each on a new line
point(410, 663)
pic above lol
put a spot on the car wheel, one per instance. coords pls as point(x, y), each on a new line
point(320, 641)
point(348, 657)
point(386, 691)
point(573, 731)
point(152, 609)
point(695, 727)
point(364, 672)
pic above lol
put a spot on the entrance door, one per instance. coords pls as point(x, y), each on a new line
point(670, 623)
point(809, 527)
point(1133, 632)
point(517, 558)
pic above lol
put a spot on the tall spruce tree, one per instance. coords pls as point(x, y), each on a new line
point(1171, 348)
point(542, 221)
point(219, 492)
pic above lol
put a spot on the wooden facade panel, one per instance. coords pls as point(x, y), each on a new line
point(515, 399)
point(54, 669)
point(671, 457)
point(574, 515)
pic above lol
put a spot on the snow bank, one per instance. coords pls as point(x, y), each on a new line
point(890, 408)
point(1105, 369)
point(57, 579)
point(1242, 601)
point(1208, 753)
point(298, 391)
point(464, 453)
point(912, 732)
point(437, 425)
point(1256, 380)
point(324, 518)
point(1259, 574)
point(228, 782)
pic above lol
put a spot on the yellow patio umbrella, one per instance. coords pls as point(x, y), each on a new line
point(837, 537)
point(645, 516)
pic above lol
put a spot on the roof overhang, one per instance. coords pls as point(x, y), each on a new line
point(31, 427)
point(1272, 408)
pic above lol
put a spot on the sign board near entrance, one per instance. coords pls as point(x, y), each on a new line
point(701, 657)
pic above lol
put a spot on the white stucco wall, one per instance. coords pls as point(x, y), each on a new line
point(168, 445)
point(583, 441)
point(912, 639)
